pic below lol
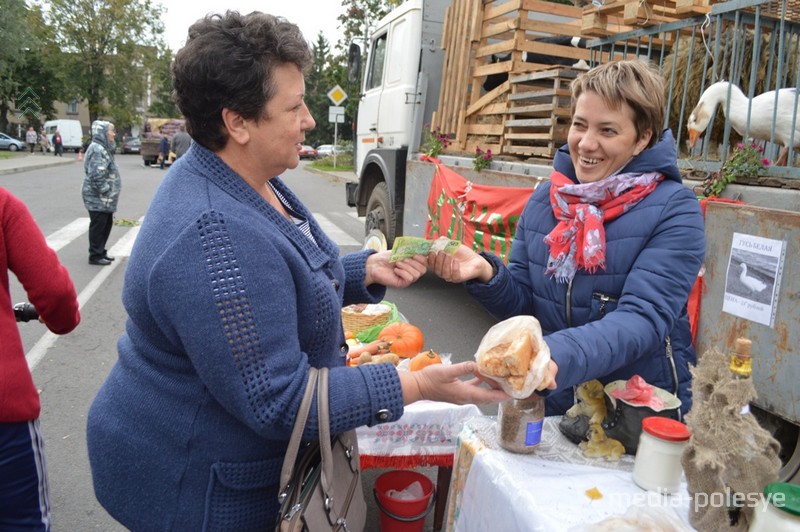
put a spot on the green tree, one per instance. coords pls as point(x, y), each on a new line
point(15, 44)
point(163, 102)
point(111, 44)
point(317, 91)
point(360, 16)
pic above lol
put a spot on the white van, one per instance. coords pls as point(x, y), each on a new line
point(71, 133)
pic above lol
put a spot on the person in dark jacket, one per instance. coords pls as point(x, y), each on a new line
point(233, 292)
point(58, 144)
point(606, 253)
point(101, 187)
point(163, 149)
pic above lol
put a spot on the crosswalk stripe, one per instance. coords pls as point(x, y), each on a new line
point(68, 233)
point(334, 233)
point(122, 248)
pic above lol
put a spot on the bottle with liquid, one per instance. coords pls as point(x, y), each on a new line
point(520, 421)
point(741, 359)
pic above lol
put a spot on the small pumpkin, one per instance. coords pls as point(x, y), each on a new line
point(405, 340)
point(424, 359)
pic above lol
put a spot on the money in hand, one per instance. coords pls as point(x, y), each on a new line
point(406, 247)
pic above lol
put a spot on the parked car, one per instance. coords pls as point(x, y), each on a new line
point(131, 145)
point(307, 152)
point(326, 150)
point(10, 143)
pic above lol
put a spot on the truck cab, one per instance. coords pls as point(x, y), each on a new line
point(400, 91)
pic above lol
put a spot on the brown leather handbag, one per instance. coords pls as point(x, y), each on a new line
point(322, 490)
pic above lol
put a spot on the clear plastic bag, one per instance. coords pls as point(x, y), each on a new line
point(507, 332)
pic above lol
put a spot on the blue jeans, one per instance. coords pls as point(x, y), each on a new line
point(24, 498)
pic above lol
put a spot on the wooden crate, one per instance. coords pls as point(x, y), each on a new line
point(538, 112)
point(478, 33)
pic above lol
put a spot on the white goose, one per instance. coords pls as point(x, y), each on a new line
point(755, 285)
point(760, 115)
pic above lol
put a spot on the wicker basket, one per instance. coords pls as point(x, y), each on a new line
point(356, 318)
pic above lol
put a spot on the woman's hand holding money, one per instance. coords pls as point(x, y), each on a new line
point(463, 265)
point(398, 274)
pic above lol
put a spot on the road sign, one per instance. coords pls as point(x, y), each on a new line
point(336, 114)
point(337, 95)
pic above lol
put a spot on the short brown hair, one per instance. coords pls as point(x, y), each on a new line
point(633, 82)
point(229, 62)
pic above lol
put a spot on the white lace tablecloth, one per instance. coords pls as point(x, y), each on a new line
point(556, 488)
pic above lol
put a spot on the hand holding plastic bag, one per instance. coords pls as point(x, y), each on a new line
point(514, 354)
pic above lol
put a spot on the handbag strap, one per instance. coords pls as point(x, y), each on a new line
point(297, 432)
point(323, 410)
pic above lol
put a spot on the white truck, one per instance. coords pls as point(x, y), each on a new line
point(71, 133)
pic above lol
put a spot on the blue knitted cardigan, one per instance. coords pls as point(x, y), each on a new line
point(228, 304)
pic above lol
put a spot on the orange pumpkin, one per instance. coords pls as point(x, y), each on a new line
point(424, 359)
point(405, 340)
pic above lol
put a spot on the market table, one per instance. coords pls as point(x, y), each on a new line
point(552, 489)
point(424, 436)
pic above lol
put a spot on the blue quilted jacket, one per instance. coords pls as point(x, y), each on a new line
point(228, 304)
point(629, 318)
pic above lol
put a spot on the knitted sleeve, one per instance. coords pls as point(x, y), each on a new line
point(355, 273)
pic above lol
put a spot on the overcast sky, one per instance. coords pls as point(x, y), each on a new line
point(312, 16)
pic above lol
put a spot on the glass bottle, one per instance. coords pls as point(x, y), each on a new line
point(520, 421)
point(741, 360)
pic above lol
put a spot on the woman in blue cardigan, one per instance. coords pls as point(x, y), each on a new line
point(606, 253)
point(232, 292)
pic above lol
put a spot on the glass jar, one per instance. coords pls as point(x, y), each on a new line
point(657, 466)
point(519, 426)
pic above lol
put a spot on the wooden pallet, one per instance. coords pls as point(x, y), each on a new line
point(599, 20)
point(477, 32)
point(538, 113)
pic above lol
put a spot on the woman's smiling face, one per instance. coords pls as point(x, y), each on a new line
point(602, 140)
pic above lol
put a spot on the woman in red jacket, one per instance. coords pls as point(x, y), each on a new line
point(24, 501)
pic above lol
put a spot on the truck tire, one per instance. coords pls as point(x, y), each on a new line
point(379, 213)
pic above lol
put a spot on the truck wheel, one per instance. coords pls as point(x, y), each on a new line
point(379, 213)
point(788, 435)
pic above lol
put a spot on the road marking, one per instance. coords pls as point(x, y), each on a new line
point(68, 233)
point(122, 248)
point(334, 233)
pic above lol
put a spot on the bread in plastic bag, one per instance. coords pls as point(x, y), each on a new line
point(501, 355)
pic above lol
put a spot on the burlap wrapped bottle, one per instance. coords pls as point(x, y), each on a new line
point(730, 457)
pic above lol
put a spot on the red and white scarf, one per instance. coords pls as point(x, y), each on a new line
point(579, 238)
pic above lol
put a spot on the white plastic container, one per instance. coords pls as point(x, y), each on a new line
point(657, 466)
point(778, 510)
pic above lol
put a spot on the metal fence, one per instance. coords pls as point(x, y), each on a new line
point(752, 44)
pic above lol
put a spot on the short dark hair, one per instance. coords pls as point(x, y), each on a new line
point(228, 62)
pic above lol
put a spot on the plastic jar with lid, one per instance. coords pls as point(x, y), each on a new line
point(519, 426)
point(657, 466)
point(778, 510)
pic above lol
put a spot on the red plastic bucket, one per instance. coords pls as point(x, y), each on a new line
point(403, 515)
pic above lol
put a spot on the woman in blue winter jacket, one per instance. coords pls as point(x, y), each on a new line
point(606, 253)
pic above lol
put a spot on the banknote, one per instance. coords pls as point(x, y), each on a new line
point(407, 246)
